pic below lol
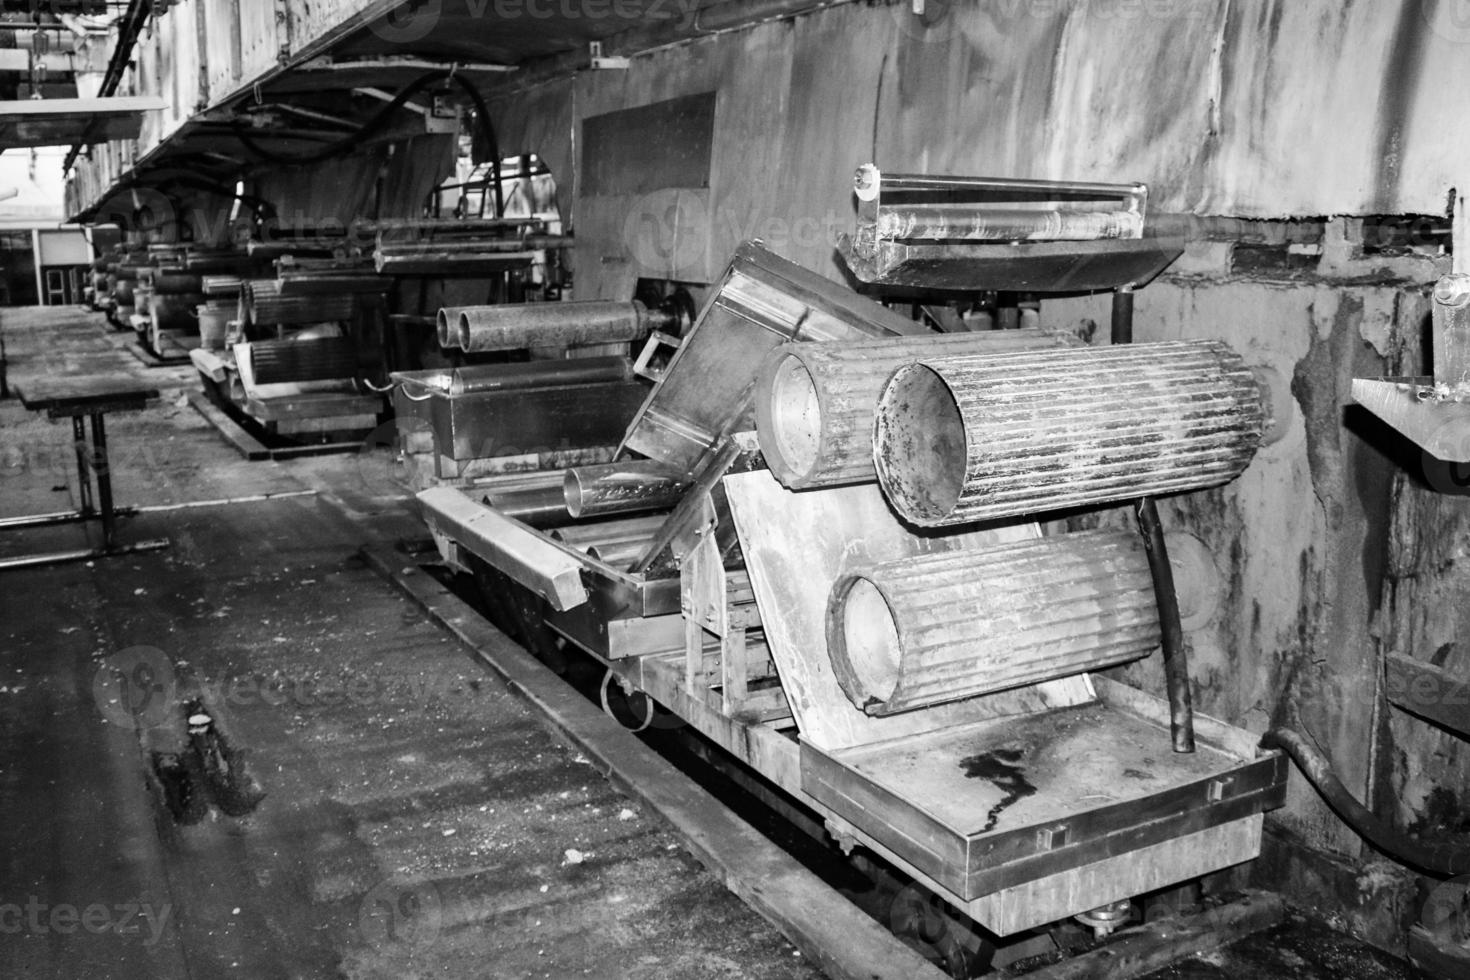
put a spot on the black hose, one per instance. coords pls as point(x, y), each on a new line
point(1448, 859)
point(1171, 632)
point(353, 141)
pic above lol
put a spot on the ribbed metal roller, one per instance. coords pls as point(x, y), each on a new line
point(326, 359)
point(1000, 435)
point(261, 302)
point(814, 403)
point(919, 631)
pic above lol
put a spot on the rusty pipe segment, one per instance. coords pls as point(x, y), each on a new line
point(814, 402)
point(620, 488)
point(918, 631)
point(989, 436)
point(570, 324)
point(540, 374)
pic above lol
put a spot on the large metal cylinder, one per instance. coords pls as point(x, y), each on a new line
point(1000, 435)
point(571, 324)
point(261, 302)
point(176, 283)
point(938, 627)
point(621, 488)
point(814, 402)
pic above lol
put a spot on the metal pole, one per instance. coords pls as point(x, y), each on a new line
point(104, 478)
point(84, 476)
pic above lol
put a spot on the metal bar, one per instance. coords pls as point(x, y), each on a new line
point(974, 223)
point(1122, 315)
point(81, 554)
point(104, 479)
point(84, 476)
point(921, 182)
point(536, 506)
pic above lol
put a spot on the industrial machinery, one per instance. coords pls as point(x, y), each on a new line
point(816, 543)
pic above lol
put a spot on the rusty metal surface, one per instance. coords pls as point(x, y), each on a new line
point(1000, 435)
point(814, 402)
point(926, 629)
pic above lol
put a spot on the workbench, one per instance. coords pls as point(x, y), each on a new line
point(80, 398)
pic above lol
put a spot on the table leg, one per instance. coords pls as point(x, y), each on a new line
point(104, 478)
point(84, 470)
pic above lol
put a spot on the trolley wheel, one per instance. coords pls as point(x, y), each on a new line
point(634, 710)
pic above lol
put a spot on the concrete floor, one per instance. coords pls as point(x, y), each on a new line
point(417, 822)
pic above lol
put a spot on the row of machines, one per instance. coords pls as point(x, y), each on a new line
point(809, 527)
point(294, 337)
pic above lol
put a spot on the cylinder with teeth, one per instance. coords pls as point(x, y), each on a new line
point(918, 631)
point(992, 436)
point(814, 402)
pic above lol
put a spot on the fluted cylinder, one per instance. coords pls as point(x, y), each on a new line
point(571, 324)
point(938, 627)
point(261, 302)
point(814, 403)
point(1000, 435)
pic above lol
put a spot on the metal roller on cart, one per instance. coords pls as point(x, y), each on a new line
point(928, 692)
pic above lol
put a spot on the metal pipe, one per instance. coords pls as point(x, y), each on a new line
point(571, 324)
point(947, 182)
point(931, 628)
point(620, 488)
point(447, 322)
point(536, 506)
point(964, 439)
point(606, 532)
point(1449, 858)
point(814, 402)
point(988, 223)
point(540, 374)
